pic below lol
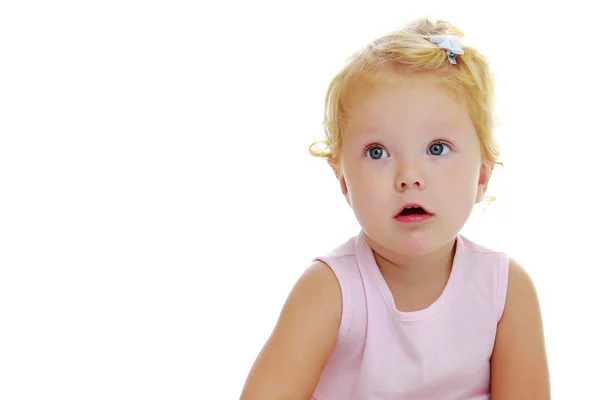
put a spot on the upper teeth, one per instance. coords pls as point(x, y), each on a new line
point(413, 207)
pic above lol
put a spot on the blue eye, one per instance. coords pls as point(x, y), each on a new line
point(376, 152)
point(437, 149)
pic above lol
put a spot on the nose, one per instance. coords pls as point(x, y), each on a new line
point(409, 176)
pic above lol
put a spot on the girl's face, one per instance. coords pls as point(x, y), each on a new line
point(410, 141)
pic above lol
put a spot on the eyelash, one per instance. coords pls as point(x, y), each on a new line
point(372, 146)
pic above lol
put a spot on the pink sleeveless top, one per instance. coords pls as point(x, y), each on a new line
point(441, 352)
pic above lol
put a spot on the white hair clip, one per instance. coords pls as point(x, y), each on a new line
point(448, 43)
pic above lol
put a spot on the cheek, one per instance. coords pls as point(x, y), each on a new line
point(360, 191)
point(356, 178)
point(367, 190)
point(469, 185)
point(459, 184)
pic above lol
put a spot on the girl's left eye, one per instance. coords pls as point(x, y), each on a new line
point(438, 149)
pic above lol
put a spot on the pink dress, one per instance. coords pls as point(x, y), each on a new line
point(441, 352)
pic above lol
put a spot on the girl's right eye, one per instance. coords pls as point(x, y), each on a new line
point(376, 152)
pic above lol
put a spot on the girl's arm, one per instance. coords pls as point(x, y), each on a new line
point(290, 364)
point(519, 365)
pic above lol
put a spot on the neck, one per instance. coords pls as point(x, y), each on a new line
point(413, 272)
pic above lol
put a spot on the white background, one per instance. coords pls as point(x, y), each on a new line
point(157, 200)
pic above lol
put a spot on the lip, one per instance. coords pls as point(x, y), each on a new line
point(412, 218)
point(412, 205)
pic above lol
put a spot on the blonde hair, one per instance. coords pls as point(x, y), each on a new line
point(410, 50)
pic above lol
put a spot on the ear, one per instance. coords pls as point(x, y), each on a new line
point(335, 166)
point(485, 173)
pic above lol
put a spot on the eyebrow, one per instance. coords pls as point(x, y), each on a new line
point(439, 131)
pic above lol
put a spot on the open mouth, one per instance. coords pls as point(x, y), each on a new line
point(413, 210)
point(413, 213)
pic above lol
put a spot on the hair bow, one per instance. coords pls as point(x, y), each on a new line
point(448, 43)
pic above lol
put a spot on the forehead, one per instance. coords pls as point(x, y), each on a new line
point(395, 101)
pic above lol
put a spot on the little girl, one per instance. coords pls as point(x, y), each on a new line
point(409, 308)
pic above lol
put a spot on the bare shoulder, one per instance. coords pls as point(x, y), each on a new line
point(318, 274)
point(519, 363)
point(291, 362)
